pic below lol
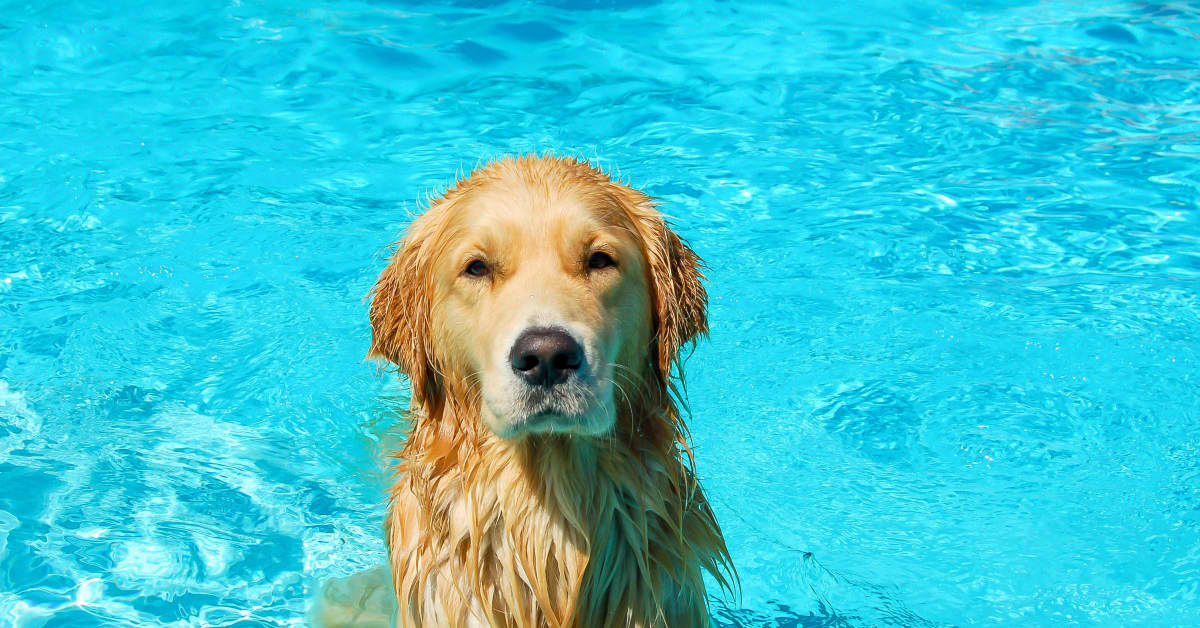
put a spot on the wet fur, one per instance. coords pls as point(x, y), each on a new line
point(550, 530)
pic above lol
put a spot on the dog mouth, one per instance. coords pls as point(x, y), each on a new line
point(574, 406)
point(563, 405)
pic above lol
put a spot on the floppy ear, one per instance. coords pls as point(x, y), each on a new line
point(400, 303)
point(679, 299)
point(681, 303)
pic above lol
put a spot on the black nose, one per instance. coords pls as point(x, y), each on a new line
point(545, 356)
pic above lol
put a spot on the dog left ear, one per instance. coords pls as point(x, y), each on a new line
point(680, 300)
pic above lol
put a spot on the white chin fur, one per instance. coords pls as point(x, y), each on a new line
point(581, 407)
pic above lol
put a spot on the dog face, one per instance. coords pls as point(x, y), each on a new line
point(542, 291)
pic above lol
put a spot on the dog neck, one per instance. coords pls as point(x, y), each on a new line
point(552, 530)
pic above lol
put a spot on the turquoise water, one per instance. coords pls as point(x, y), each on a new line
point(954, 262)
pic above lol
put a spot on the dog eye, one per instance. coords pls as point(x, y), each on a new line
point(600, 260)
point(477, 268)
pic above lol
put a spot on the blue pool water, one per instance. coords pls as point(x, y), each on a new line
point(954, 264)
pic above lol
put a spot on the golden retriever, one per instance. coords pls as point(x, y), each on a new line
point(537, 308)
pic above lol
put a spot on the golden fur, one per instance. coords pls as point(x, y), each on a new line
point(589, 520)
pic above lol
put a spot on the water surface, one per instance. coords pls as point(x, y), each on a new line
point(953, 253)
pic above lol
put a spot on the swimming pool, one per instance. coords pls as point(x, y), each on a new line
point(954, 264)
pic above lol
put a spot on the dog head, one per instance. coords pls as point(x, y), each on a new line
point(544, 292)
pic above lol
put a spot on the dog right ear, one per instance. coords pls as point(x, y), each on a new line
point(400, 303)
